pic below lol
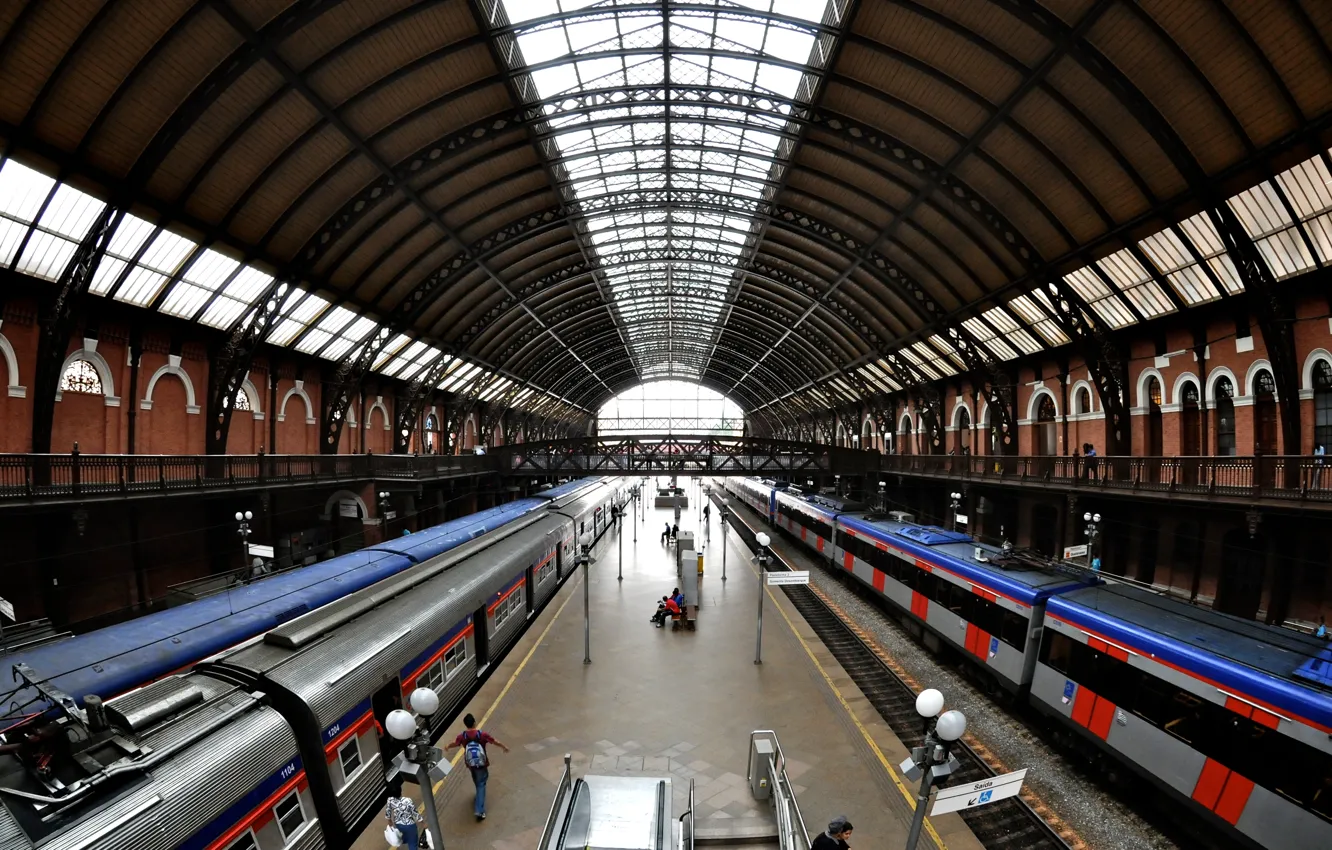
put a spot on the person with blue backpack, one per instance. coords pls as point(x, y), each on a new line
point(473, 742)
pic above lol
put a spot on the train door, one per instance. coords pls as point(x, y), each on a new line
point(387, 699)
point(481, 638)
point(530, 581)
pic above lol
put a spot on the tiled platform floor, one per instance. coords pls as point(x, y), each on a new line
point(656, 702)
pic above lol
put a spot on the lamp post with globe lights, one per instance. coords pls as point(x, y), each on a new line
point(955, 504)
point(1093, 531)
point(427, 760)
point(725, 516)
point(243, 519)
point(761, 556)
point(933, 761)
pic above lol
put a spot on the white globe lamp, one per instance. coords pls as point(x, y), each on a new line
point(929, 703)
point(951, 725)
point(762, 539)
point(400, 724)
point(424, 701)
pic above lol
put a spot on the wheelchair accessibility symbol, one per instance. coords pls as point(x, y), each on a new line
point(985, 796)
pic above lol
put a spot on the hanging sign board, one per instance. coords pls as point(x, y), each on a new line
point(261, 551)
point(1071, 552)
point(978, 794)
point(349, 508)
point(791, 577)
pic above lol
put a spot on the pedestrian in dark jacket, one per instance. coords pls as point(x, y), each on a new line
point(839, 830)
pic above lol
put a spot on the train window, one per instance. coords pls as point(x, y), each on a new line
point(289, 815)
point(245, 842)
point(545, 571)
point(455, 657)
point(349, 755)
point(432, 678)
point(1056, 651)
point(1183, 719)
point(1013, 628)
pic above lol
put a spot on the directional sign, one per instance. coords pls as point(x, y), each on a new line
point(961, 519)
point(792, 577)
point(261, 551)
point(976, 794)
point(1071, 552)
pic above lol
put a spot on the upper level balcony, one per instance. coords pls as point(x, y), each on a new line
point(1272, 479)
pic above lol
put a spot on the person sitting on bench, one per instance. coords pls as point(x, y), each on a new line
point(666, 608)
point(666, 535)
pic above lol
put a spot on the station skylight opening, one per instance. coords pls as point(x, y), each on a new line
point(671, 165)
point(671, 407)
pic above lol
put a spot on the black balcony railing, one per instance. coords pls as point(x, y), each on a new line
point(28, 477)
point(1263, 476)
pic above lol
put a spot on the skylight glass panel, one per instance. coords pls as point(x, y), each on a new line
point(1272, 229)
point(351, 336)
point(22, 193)
point(1136, 283)
point(457, 378)
point(1011, 333)
point(298, 317)
point(988, 339)
point(209, 271)
point(239, 293)
point(1308, 187)
point(1185, 274)
point(1099, 297)
point(921, 364)
point(1199, 230)
point(390, 351)
point(129, 237)
point(1035, 310)
point(323, 331)
point(160, 261)
point(405, 357)
point(641, 172)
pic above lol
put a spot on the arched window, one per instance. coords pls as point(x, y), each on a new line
point(81, 377)
point(1190, 421)
point(1082, 401)
point(962, 435)
point(1225, 418)
point(431, 437)
point(1322, 389)
point(1154, 418)
point(1264, 414)
point(1046, 430)
point(242, 401)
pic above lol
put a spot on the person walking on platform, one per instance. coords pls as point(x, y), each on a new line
point(402, 815)
point(707, 513)
point(839, 830)
point(474, 741)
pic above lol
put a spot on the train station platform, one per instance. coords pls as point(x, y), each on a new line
point(657, 702)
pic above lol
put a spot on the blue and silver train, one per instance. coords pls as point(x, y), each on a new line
point(272, 741)
point(1231, 718)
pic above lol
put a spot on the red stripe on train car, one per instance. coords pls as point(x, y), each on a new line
point(1097, 644)
point(1102, 714)
point(1083, 703)
point(820, 543)
point(879, 579)
point(262, 814)
point(849, 561)
point(1210, 782)
point(362, 722)
point(1234, 798)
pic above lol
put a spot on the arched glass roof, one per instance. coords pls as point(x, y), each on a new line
point(668, 173)
point(671, 407)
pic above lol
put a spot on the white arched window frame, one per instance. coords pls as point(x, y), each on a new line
point(172, 367)
point(16, 390)
point(1033, 404)
point(299, 391)
point(98, 362)
point(1306, 376)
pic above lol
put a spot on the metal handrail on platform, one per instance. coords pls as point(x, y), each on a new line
point(551, 819)
point(792, 833)
point(687, 822)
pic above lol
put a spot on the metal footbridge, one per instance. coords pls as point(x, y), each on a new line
point(669, 455)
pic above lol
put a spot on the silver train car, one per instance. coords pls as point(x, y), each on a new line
point(276, 744)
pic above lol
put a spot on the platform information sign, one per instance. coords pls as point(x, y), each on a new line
point(792, 577)
point(978, 794)
point(261, 551)
point(1071, 552)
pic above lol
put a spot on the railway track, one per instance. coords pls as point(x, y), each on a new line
point(1010, 823)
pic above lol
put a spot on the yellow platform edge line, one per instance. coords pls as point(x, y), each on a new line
point(869, 739)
